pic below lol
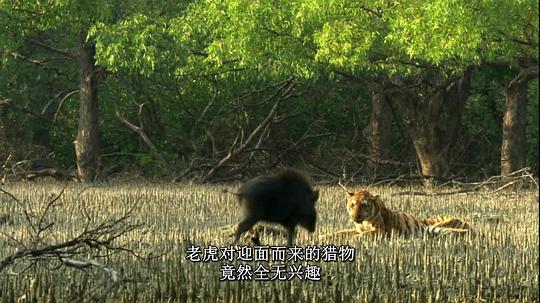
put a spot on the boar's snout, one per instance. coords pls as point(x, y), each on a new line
point(315, 195)
point(310, 222)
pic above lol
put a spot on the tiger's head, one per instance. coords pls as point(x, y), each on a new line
point(362, 206)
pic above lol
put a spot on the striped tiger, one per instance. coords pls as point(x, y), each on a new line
point(365, 207)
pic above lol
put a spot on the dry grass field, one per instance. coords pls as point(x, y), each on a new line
point(498, 263)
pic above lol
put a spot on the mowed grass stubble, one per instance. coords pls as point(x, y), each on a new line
point(499, 263)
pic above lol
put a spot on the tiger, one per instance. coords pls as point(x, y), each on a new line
point(364, 207)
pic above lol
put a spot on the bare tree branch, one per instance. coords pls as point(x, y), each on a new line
point(49, 48)
point(95, 240)
point(139, 130)
point(282, 93)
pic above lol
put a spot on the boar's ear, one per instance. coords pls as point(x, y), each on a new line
point(315, 195)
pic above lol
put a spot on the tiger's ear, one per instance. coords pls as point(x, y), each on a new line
point(350, 193)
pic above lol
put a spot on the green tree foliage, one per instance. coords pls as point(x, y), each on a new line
point(198, 70)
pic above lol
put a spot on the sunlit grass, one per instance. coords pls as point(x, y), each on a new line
point(499, 263)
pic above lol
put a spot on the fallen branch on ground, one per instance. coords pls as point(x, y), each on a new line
point(515, 181)
point(96, 240)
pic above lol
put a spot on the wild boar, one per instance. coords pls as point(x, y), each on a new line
point(286, 198)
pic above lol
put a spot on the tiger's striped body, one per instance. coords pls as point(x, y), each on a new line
point(364, 207)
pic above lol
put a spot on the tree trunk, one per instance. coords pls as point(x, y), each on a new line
point(430, 151)
point(378, 131)
point(86, 144)
point(514, 143)
point(455, 98)
point(433, 121)
point(424, 131)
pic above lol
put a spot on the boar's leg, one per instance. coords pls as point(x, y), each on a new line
point(291, 231)
point(244, 226)
point(256, 239)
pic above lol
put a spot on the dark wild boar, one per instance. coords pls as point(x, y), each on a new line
point(286, 198)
